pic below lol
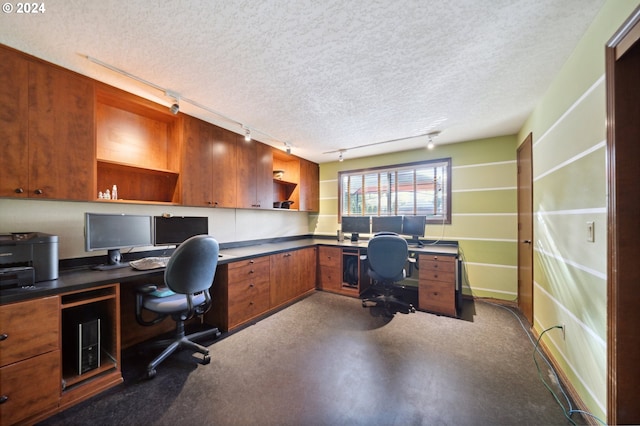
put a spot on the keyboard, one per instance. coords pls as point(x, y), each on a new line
point(148, 263)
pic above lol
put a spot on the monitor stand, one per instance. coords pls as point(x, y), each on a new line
point(114, 261)
point(415, 241)
point(354, 237)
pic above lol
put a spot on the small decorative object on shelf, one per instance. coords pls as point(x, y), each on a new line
point(114, 193)
point(278, 174)
point(107, 195)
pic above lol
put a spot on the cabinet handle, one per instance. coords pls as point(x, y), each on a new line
point(19, 190)
point(251, 271)
point(3, 399)
point(251, 261)
point(527, 241)
point(3, 336)
point(38, 191)
point(251, 285)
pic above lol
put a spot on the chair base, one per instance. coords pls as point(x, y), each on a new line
point(178, 343)
point(389, 303)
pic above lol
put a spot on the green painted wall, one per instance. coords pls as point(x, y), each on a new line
point(569, 190)
point(483, 208)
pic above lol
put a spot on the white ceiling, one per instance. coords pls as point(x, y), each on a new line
point(322, 75)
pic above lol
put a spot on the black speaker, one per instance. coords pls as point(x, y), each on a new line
point(88, 346)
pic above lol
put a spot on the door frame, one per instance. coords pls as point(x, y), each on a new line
point(622, 60)
point(525, 227)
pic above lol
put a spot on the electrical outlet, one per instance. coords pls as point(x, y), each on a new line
point(591, 232)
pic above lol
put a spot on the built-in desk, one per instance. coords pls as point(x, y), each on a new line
point(342, 269)
point(295, 268)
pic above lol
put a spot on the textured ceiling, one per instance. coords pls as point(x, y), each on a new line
point(322, 75)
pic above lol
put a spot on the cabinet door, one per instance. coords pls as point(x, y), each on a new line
point(254, 175)
point(14, 85)
point(283, 285)
point(209, 167)
point(61, 134)
point(309, 186)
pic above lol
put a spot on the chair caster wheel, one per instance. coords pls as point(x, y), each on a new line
point(206, 360)
point(151, 373)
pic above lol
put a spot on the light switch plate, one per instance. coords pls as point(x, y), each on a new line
point(590, 232)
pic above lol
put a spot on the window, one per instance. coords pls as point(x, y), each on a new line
point(406, 189)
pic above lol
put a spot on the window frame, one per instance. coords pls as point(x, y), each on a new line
point(446, 218)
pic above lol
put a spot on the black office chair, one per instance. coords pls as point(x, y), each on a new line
point(387, 254)
point(189, 276)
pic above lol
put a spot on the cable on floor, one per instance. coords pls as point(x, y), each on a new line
point(536, 345)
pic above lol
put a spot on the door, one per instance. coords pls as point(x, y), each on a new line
point(623, 298)
point(525, 229)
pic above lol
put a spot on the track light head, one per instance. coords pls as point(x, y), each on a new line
point(247, 134)
point(174, 108)
point(340, 157)
point(287, 147)
point(430, 143)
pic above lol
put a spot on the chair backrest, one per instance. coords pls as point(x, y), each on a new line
point(192, 266)
point(387, 255)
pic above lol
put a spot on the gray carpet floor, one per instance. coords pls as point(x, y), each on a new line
point(327, 361)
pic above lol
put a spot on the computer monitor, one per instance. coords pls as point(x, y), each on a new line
point(174, 230)
point(356, 225)
point(386, 224)
point(113, 232)
point(415, 227)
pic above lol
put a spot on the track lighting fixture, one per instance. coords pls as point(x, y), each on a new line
point(430, 143)
point(175, 106)
point(247, 134)
point(340, 157)
point(287, 147)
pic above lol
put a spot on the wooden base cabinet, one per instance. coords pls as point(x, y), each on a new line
point(30, 371)
point(437, 284)
point(330, 269)
point(293, 273)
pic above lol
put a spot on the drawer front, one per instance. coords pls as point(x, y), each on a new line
point(437, 297)
point(31, 386)
point(31, 328)
point(437, 275)
point(330, 278)
point(432, 265)
point(258, 271)
point(329, 256)
point(437, 258)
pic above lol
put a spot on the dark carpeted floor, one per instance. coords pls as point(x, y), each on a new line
point(327, 361)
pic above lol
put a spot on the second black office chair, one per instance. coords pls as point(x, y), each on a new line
point(189, 274)
point(387, 254)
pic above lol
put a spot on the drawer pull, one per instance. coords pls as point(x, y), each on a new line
point(3, 336)
point(251, 261)
point(435, 293)
point(251, 271)
point(251, 285)
point(3, 399)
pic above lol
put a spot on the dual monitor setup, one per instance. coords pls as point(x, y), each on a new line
point(413, 226)
point(113, 232)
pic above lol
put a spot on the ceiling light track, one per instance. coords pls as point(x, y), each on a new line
point(430, 135)
point(175, 106)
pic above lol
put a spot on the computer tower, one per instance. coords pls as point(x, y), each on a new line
point(87, 346)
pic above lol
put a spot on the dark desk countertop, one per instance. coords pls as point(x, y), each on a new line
point(81, 278)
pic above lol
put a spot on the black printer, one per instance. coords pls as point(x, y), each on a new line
point(27, 257)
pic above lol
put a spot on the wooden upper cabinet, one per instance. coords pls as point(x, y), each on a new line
point(61, 134)
point(14, 161)
point(47, 130)
point(209, 165)
point(309, 186)
point(254, 162)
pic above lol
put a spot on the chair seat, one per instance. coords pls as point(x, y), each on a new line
point(171, 304)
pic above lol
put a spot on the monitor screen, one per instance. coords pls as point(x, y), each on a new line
point(414, 225)
point(356, 224)
point(386, 224)
point(115, 231)
point(175, 230)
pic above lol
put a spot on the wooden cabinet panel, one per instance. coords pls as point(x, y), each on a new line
point(293, 273)
point(209, 165)
point(31, 387)
point(14, 160)
point(247, 290)
point(309, 186)
point(32, 328)
point(61, 134)
point(330, 268)
point(437, 284)
point(254, 185)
